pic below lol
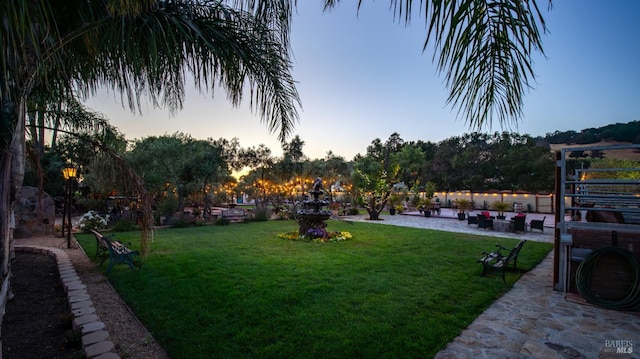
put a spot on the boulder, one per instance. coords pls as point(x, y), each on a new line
point(35, 215)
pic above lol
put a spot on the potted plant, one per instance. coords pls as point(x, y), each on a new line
point(463, 206)
point(426, 207)
point(501, 207)
point(393, 202)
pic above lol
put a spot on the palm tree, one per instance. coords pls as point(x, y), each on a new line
point(138, 48)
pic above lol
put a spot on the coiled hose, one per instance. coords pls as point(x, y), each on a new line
point(630, 300)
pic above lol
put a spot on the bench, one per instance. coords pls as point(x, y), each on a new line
point(101, 247)
point(234, 215)
point(499, 261)
point(118, 252)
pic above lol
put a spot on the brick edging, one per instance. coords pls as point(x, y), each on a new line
point(95, 337)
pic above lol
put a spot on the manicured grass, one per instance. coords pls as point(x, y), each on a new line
point(239, 291)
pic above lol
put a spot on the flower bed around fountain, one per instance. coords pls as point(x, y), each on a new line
point(317, 236)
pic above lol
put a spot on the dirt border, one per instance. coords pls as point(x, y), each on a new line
point(130, 339)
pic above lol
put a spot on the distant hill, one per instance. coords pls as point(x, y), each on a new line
point(619, 132)
point(610, 135)
point(625, 154)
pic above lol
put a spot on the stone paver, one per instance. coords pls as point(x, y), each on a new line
point(532, 320)
point(448, 221)
point(95, 337)
point(99, 348)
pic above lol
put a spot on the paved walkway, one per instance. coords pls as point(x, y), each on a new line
point(532, 320)
point(448, 221)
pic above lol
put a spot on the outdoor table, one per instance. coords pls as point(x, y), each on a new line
point(502, 225)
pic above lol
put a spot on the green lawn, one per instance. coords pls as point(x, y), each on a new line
point(239, 291)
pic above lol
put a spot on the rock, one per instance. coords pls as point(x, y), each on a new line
point(34, 215)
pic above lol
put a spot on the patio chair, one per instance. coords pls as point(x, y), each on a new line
point(472, 220)
point(537, 224)
point(519, 224)
point(485, 222)
point(499, 261)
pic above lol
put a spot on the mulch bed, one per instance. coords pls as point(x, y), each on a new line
point(37, 321)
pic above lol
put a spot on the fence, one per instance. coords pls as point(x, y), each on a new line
point(541, 203)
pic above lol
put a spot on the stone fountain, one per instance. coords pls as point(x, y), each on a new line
point(312, 216)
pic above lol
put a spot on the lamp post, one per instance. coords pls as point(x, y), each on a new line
point(69, 174)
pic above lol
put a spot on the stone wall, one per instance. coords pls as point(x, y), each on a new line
point(31, 220)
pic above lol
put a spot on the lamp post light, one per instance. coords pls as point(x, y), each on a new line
point(69, 174)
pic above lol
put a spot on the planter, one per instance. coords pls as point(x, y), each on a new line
point(392, 211)
point(501, 217)
point(462, 216)
point(427, 213)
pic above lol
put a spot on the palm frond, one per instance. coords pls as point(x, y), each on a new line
point(216, 44)
point(485, 48)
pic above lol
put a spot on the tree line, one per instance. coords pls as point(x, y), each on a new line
point(200, 171)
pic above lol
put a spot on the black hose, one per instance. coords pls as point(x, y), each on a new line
point(630, 300)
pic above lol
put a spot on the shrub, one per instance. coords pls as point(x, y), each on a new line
point(353, 211)
point(168, 207)
point(179, 222)
point(124, 225)
point(261, 215)
point(92, 221)
point(221, 221)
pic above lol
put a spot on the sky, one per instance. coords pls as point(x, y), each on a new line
point(362, 75)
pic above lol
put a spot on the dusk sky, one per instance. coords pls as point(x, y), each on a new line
point(362, 76)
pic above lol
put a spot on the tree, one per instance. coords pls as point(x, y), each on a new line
point(337, 173)
point(292, 160)
point(441, 169)
point(260, 161)
point(177, 162)
point(375, 173)
point(410, 159)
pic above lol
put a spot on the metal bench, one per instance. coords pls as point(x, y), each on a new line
point(499, 261)
point(101, 247)
point(118, 252)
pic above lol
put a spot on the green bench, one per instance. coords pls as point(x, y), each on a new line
point(118, 252)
